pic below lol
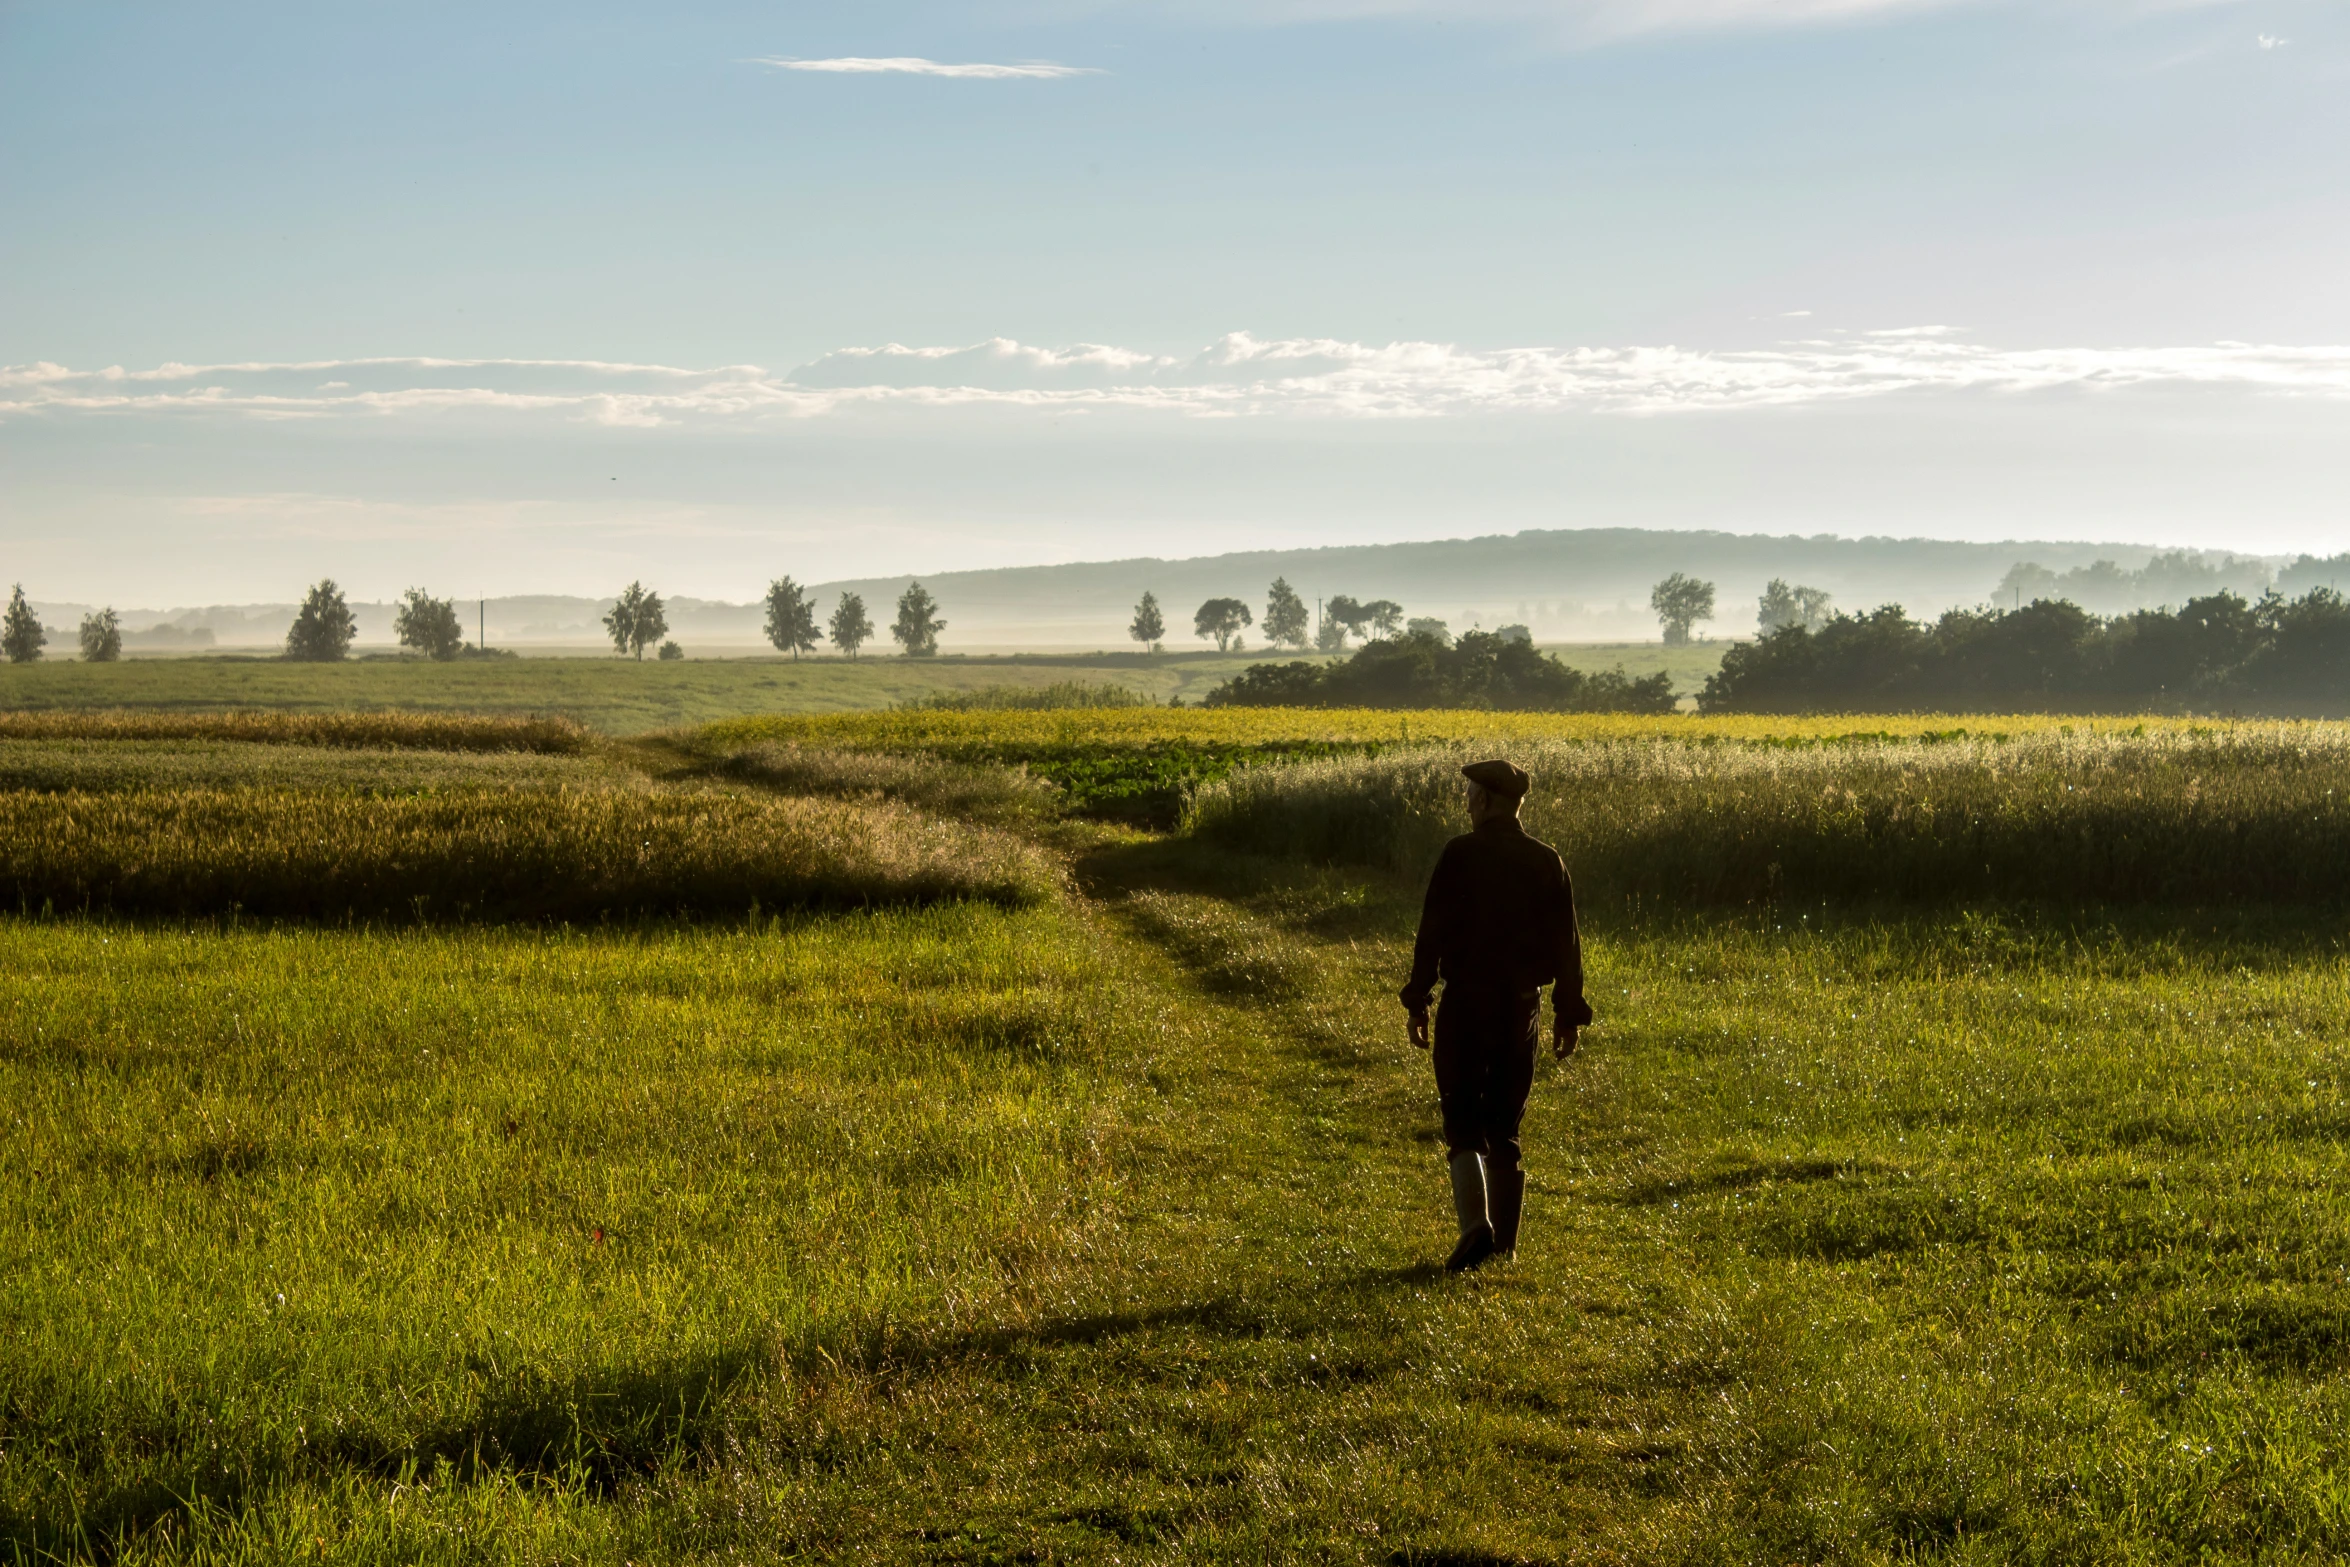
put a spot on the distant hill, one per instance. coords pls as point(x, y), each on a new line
point(1568, 585)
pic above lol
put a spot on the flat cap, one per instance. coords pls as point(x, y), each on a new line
point(1498, 777)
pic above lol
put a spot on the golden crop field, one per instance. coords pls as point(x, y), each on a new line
point(1262, 726)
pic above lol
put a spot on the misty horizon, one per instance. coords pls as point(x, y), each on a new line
point(1564, 585)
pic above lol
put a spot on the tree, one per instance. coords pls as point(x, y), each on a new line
point(1781, 605)
point(321, 633)
point(1221, 619)
point(917, 627)
point(1286, 620)
point(850, 629)
point(638, 620)
point(1150, 627)
point(1384, 617)
point(2025, 581)
point(791, 618)
point(1523, 634)
point(670, 651)
point(429, 625)
point(1426, 626)
point(1341, 617)
point(101, 637)
point(21, 636)
point(1681, 601)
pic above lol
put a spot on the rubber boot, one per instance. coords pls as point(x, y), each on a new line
point(1506, 1197)
point(1468, 1205)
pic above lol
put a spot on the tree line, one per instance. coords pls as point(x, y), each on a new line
point(1679, 601)
point(1287, 622)
point(324, 626)
point(2220, 653)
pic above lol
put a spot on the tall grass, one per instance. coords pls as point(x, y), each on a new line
point(2177, 815)
point(954, 733)
point(1058, 695)
point(545, 855)
point(373, 731)
point(182, 764)
point(963, 789)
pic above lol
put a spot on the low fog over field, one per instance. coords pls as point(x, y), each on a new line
point(1588, 585)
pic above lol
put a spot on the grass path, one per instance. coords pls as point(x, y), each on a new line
point(1254, 1356)
point(1934, 1239)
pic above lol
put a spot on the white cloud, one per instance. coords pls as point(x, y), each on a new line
point(1237, 376)
point(2271, 41)
point(911, 65)
point(997, 364)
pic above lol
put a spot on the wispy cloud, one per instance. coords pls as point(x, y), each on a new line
point(911, 65)
point(2271, 41)
point(1238, 376)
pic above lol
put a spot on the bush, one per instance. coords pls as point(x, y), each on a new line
point(489, 855)
point(1420, 669)
point(2258, 813)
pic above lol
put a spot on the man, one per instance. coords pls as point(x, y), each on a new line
point(1498, 925)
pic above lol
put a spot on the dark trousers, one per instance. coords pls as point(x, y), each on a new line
point(1485, 1068)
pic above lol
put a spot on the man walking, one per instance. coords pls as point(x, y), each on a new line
point(1498, 925)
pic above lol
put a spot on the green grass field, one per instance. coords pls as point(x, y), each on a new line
point(1102, 1226)
point(623, 696)
point(612, 695)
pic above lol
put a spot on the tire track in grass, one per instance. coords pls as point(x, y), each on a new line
point(1249, 1351)
point(1502, 1417)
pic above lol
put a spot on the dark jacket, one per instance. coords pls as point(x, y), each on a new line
point(1500, 916)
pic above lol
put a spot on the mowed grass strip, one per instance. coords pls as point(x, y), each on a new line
point(2256, 812)
point(371, 731)
point(370, 1240)
point(577, 855)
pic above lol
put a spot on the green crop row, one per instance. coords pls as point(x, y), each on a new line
point(560, 855)
point(2251, 813)
point(1117, 774)
point(367, 731)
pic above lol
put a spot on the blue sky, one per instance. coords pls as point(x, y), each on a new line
point(1291, 273)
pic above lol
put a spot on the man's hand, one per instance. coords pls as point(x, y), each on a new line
point(1563, 1040)
point(1420, 1028)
